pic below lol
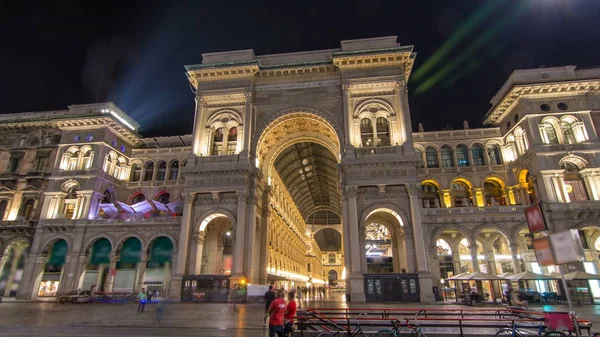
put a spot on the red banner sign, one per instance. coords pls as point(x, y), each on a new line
point(535, 218)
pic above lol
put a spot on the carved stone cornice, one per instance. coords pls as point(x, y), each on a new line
point(216, 73)
point(403, 57)
point(539, 91)
point(188, 198)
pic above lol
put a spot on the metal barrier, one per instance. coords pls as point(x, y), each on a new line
point(114, 297)
point(434, 321)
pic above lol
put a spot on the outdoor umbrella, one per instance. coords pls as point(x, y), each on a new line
point(528, 275)
point(456, 277)
point(478, 276)
point(581, 275)
point(506, 274)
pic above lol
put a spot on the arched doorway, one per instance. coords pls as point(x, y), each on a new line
point(12, 267)
point(332, 277)
point(298, 154)
point(52, 274)
point(128, 268)
point(158, 269)
point(96, 269)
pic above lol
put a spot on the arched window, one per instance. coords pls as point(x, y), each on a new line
point(149, 171)
point(217, 142)
point(174, 170)
point(430, 195)
point(548, 133)
point(332, 259)
point(138, 197)
point(232, 140)
point(447, 160)
point(136, 173)
point(106, 197)
point(461, 194)
point(568, 134)
point(366, 132)
point(525, 141)
point(70, 202)
point(462, 155)
point(492, 193)
point(164, 198)
point(494, 155)
point(161, 173)
point(432, 158)
point(383, 132)
point(420, 163)
point(88, 156)
point(27, 209)
point(3, 206)
point(477, 153)
point(574, 182)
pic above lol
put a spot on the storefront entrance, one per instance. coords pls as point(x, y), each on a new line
point(392, 288)
point(205, 288)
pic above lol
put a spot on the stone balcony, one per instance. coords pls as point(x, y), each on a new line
point(171, 220)
point(459, 215)
point(18, 224)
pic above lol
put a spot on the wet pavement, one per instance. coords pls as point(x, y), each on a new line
point(180, 319)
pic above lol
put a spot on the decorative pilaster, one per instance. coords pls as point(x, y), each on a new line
point(141, 272)
point(474, 261)
point(184, 233)
point(515, 258)
point(240, 231)
point(423, 269)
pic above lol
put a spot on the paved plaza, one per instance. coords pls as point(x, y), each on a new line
point(51, 319)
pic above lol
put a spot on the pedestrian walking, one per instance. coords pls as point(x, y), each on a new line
point(142, 297)
point(269, 298)
point(276, 313)
point(290, 313)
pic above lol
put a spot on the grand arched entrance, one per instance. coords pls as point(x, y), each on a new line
point(299, 154)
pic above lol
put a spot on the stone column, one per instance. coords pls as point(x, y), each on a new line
point(248, 125)
point(356, 278)
point(110, 279)
point(515, 259)
point(140, 274)
point(250, 237)
point(402, 257)
point(219, 259)
point(28, 289)
point(198, 145)
point(196, 253)
point(474, 261)
point(240, 239)
point(395, 255)
point(404, 124)
point(13, 269)
point(424, 271)
point(592, 188)
point(99, 285)
point(410, 252)
point(364, 268)
point(264, 242)
point(69, 280)
point(184, 234)
point(457, 265)
point(349, 126)
point(491, 264)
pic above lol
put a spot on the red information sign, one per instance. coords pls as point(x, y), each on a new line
point(543, 251)
point(535, 218)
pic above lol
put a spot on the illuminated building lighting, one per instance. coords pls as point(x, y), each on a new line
point(120, 119)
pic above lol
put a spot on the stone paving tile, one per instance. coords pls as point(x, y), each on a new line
point(180, 319)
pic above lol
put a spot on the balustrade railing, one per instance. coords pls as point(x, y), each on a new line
point(117, 221)
point(474, 210)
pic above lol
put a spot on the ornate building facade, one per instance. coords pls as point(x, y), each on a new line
point(302, 169)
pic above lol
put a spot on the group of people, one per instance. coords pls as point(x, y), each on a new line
point(279, 314)
point(515, 298)
point(312, 292)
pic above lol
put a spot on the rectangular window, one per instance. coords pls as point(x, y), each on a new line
point(14, 164)
point(40, 164)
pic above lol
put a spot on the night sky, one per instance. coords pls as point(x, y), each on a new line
point(133, 52)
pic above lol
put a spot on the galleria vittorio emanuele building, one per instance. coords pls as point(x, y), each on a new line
point(302, 169)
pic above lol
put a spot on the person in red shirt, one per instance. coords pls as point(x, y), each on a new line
point(276, 312)
point(290, 313)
